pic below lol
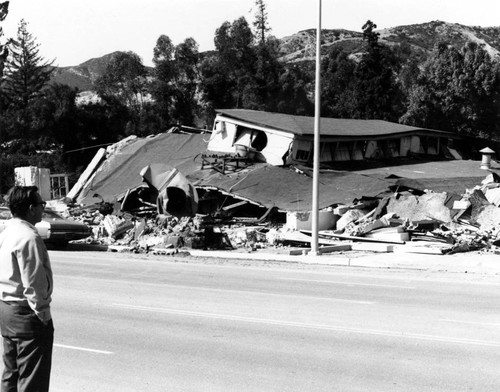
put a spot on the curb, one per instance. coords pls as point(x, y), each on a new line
point(457, 263)
point(470, 262)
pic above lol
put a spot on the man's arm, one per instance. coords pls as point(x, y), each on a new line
point(36, 276)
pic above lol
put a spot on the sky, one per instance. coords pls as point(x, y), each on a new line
point(71, 32)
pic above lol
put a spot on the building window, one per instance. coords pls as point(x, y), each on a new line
point(59, 186)
point(303, 151)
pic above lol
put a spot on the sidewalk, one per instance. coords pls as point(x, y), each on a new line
point(470, 262)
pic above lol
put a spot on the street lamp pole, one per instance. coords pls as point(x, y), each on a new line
point(317, 114)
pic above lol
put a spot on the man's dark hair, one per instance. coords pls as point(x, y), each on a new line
point(20, 198)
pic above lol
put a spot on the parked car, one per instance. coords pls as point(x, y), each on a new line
point(53, 228)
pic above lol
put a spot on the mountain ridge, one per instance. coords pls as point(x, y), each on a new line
point(301, 46)
point(422, 37)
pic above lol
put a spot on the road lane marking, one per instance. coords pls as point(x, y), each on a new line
point(83, 349)
point(350, 283)
point(471, 322)
point(336, 328)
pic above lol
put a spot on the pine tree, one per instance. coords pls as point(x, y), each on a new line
point(260, 23)
point(26, 72)
point(377, 92)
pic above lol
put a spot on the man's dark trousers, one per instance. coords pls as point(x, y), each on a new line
point(27, 344)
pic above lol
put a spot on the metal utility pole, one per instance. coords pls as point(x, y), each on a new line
point(317, 116)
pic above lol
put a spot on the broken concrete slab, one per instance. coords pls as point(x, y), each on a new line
point(424, 207)
point(488, 217)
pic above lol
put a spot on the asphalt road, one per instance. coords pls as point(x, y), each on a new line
point(136, 323)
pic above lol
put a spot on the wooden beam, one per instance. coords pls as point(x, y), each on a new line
point(91, 168)
point(235, 205)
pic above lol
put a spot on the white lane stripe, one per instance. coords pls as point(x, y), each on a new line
point(350, 283)
point(366, 331)
point(83, 349)
point(470, 322)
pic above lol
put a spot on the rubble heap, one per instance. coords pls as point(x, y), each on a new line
point(407, 218)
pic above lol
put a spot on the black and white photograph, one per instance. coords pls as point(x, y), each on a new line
point(249, 196)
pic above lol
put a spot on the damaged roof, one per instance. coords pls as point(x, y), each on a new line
point(290, 190)
point(120, 171)
point(302, 125)
point(261, 183)
point(286, 188)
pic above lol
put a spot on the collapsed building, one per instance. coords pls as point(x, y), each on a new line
point(281, 139)
point(254, 168)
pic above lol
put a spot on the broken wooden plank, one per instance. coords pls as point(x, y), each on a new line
point(235, 205)
point(328, 234)
point(391, 229)
point(429, 237)
point(388, 236)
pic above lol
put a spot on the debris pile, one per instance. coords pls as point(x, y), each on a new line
point(403, 220)
point(435, 222)
point(156, 233)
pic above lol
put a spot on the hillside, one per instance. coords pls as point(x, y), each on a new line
point(421, 37)
point(82, 76)
point(302, 45)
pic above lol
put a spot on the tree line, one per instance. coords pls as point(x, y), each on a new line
point(452, 89)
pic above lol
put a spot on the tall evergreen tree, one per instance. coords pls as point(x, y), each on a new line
point(260, 23)
point(26, 72)
point(377, 92)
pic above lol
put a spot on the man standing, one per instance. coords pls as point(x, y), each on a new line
point(25, 295)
